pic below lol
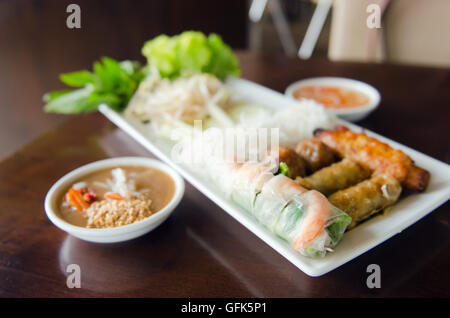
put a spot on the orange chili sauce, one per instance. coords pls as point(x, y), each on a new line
point(333, 96)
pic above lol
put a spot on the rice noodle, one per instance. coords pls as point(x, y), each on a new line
point(299, 122)
point(181, 101)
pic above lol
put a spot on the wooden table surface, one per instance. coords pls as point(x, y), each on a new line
point(200, 251)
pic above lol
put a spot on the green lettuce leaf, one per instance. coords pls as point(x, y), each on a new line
point(337, 228)
point(189, 53)
point(223, 61)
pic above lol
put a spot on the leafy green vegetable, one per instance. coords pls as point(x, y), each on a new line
point(114, 83)
point(314, 253)
point(223, 61)
point(55, 94)
point(189, 53)
point(335, 231)
point(284, 169)
point(71, 102)
point(77, 79)
point(337, 228)
point(291, 214)
point(111, 82)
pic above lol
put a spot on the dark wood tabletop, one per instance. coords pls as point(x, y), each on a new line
point(200, 251)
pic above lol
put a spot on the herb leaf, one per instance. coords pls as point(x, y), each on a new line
point(284, 169)
point(111, 82)
point(73, 102)
point(77, 79)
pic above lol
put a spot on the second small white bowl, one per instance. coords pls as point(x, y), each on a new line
point(120, 233)
point(351, 114)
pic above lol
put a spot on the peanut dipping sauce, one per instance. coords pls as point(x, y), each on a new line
point(332, 96)
point(157, 185)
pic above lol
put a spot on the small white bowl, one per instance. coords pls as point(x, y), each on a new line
point(120, 233)
point(351, 114)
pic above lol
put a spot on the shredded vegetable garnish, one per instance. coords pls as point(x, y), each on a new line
point(122, 186)
point(177, 104)
point(114, 196)
point(80, 199)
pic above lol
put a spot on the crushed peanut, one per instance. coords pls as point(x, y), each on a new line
point(112, 213)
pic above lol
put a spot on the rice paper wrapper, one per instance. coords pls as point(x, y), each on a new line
point(273, 198)
point(247, 184)
point(290, 222)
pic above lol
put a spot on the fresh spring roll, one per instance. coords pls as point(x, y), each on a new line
point(338, 176)
point(303, 218)
point(247, 182)
point(273, 198)
point(368, 197)
point(223, 173)
point(311, 224)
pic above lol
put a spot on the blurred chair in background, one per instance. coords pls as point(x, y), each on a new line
point(413, 32)
point(256, 12)
point(315, 28)
point(279, 26)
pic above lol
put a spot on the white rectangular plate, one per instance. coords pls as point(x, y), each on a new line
point(364, 237)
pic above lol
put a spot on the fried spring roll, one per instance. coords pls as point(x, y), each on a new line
point(417, 178)
point(376, 156)
point(316, 154)
point(367, 198)
point(295, 163)
point(338, 176)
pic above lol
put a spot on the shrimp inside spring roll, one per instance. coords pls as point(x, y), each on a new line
point(275, 195)
point(247, 182)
